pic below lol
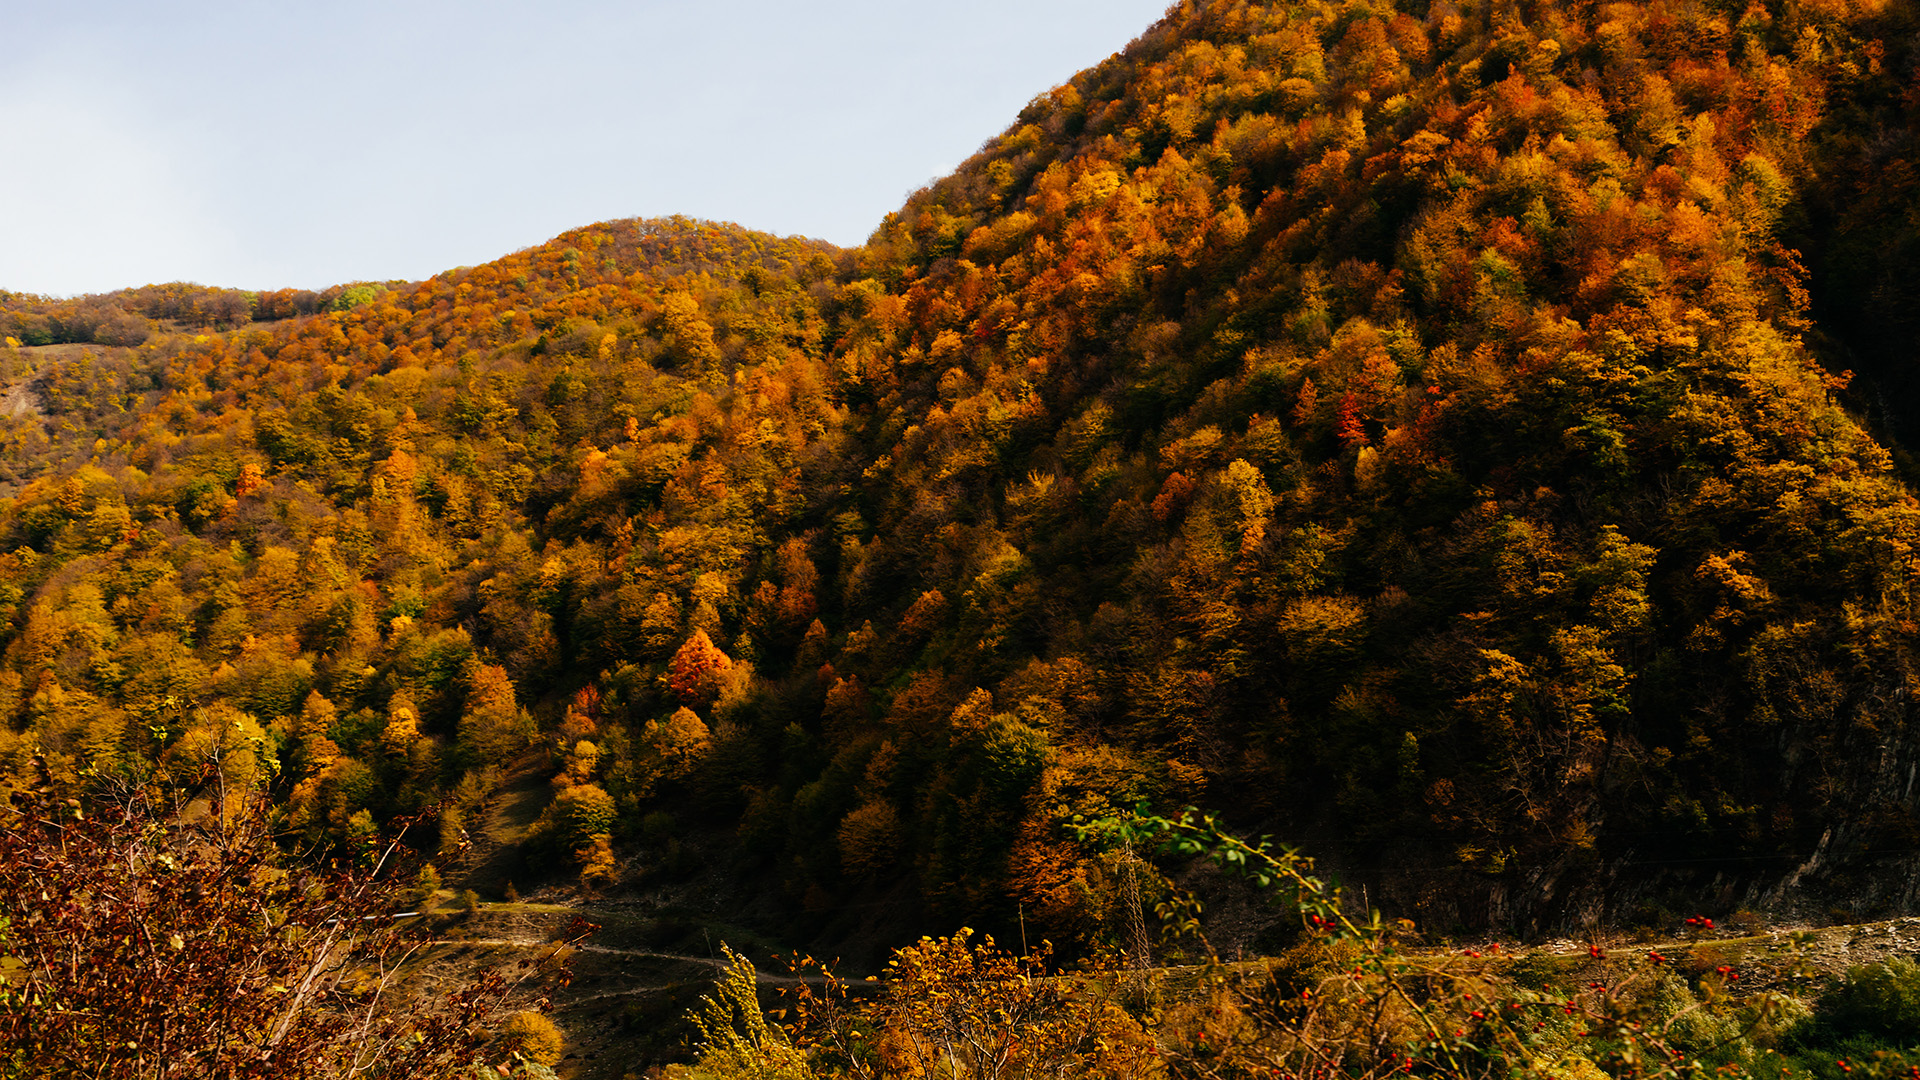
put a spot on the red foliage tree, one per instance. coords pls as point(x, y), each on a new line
point(692, 673)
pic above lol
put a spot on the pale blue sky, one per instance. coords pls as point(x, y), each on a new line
point(265, 144)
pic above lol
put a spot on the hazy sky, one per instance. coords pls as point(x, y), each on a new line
point(264, 144)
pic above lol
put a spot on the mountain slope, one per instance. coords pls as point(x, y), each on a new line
point(1397, 428)
point(1426, 446)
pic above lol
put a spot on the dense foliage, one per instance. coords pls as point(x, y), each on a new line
point(1394, 424)
point(129, 317)
point(161, 933)
point(1350, 1001)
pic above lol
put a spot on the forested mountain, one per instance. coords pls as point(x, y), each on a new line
point(1403, 429)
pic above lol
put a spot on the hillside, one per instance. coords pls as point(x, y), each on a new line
point(1420, 434)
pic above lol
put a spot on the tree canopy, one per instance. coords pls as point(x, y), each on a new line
point(1414, 428)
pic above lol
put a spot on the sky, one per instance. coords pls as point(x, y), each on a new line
point(266, 144)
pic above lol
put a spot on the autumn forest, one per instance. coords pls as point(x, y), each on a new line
point(1470, 441)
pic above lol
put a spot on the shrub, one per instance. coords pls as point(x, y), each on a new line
point(533, 1037)
point(143, 939)
point(656, 827)
point(970, 1010)
point(1877, 999)
point(426, 886)
point(582, 814)
point(735, 1038)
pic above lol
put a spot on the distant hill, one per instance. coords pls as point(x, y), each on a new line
point(1423, 435)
